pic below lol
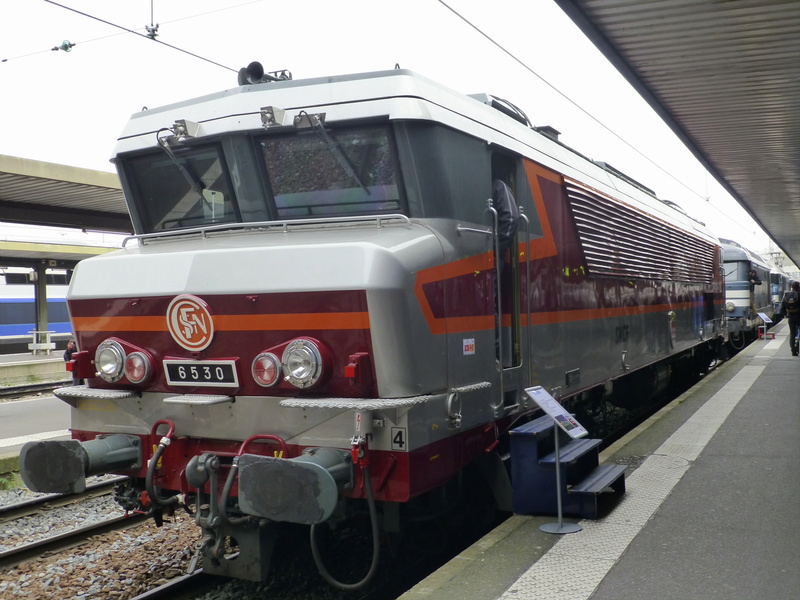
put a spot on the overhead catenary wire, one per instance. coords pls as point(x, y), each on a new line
point(103, 37)
point(567, 98)
point(134, 32)
point(445, 4)
point(127, 30)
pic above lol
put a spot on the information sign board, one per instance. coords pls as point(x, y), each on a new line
point(559, 414)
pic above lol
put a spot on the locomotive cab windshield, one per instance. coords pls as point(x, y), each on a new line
point(337, 173)
point(186, 187)
point(311, 172)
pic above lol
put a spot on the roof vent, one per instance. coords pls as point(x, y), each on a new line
point(550, 132)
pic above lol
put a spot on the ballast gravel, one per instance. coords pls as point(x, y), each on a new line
point(123, 564)
point(117, 565)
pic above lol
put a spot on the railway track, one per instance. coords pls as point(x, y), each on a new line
point(17, 391)
point(29, 506)
point(62, 541)
point(185, 587)
point(19, 510)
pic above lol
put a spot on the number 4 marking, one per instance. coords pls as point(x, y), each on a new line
point(399, 438)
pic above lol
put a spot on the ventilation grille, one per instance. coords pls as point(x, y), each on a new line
point(619, 241)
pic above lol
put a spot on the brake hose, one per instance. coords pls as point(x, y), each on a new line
point(152, 492)
point(373, 517)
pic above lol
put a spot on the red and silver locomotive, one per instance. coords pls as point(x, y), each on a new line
point(320, 312)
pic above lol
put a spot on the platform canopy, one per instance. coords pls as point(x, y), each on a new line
point(39, 193)
point(725, 76)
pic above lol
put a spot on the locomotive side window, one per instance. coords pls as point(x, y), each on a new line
point(736, 271)
point(448, 170)
point(189, 188)
point(332, 173)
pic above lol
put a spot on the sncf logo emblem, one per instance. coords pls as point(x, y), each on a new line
point(189, 322)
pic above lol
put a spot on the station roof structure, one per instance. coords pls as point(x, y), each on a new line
point(39, 193)
point(51, 255)
point(725, 77)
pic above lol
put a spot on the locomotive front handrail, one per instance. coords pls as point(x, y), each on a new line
point(528, 335)
point(266, 437)
point(170, 424)
point(354, 403)
point(472, 387)
point(460, 228)
point(498, 295)
point(283, 226)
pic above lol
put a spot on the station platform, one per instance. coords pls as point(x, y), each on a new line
point(21, 369)
point(712, 494)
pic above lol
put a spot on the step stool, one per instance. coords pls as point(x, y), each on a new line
point(763, 333)
point(586, 486)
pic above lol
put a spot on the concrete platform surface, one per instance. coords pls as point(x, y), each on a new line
point(712, 493)
point(21, 369)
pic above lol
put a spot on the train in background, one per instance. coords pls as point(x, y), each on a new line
point(779, 282)
point(18, 308)
point(324, 315)
point(748, 293)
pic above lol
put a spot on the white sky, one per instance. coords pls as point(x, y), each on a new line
point(68, 108)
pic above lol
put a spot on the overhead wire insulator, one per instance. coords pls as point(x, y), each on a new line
point(152, 30)
point(66, 46)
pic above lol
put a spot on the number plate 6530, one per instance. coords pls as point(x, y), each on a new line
point(220, 373)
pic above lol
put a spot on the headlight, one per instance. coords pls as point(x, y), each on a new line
point(137, 367)
point(109, 360)
point(266, 369)
point(730, 307)
point(302, 363)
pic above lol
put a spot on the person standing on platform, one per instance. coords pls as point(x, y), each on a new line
point(790, 306)
point(72, 348)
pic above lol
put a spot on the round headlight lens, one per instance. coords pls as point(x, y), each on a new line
point(302, 363)
point(730, 306)
point(266, 369)
point(137, 367)
point(109, 360)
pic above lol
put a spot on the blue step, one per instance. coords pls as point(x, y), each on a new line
point(599, 480)
point(602, 484)
point(586, 487)
point(571, 451)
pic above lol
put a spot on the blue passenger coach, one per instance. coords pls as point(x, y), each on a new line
point(779, 282)
point(745, 297)
point(18, 309)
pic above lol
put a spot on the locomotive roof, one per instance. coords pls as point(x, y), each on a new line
point(733, 251)
point(394, 94)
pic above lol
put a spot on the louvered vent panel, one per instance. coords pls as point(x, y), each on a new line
point(622, 242)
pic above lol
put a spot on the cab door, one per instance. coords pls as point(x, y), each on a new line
point(508, 305)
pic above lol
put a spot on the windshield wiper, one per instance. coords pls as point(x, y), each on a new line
point(194, 181)
point(319, 129)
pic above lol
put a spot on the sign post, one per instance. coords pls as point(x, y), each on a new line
point(763, 327)
point(575, 430)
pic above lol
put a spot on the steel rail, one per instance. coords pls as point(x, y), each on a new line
point(183, 587)
point(31, 388)
point(19, 554)
point(16, 510)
